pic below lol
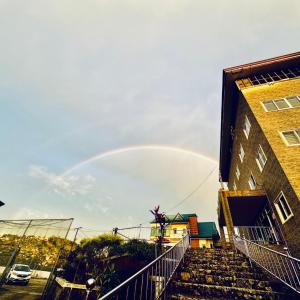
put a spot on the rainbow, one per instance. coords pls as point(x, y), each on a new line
point(136, 148)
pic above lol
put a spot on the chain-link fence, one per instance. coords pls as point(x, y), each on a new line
point(29, 253)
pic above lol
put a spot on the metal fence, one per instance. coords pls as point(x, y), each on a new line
point(37, 243)
point(259, 234)
point(283, 266)
point(151, 282)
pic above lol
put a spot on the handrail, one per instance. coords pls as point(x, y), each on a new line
point(282, 266)
point(158, 271)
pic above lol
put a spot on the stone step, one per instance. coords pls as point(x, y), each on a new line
point(218, 272)
point(222, 267)
point(191, 297)
point(223, 292)
point(204, 260)
point(232, 281)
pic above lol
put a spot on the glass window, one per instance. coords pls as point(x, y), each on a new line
point(241, 153)
point(269, 105)
point(247, 127)
point(174, 230)
point(237, 172)
point(261, 158)
point(283, 208)
point(292, 137)
point(281, 103)
point(234, 186)
point(294, 101)
point(252, 182)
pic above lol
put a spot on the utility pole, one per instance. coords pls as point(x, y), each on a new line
point(75, 236)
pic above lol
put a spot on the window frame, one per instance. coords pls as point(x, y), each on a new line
point(277, 108)
point(241, 153)
point(278, 209)
point(285, 140)
point(237, 172)
point(257, 160)
point(234, 186)
point(246, 121)
point(255, 184)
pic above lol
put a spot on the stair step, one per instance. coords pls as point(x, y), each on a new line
point(222, 267)
point(217, 272)
point(231, 281)
point(204, 290)
point(191, 297)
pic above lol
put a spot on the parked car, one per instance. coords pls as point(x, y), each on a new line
point(19, 274)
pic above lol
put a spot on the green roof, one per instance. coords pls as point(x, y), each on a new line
point(207, 230)
point(178, 218)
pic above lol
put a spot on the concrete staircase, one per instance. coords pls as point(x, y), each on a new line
point(222, 274)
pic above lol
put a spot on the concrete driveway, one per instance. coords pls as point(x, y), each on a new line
point(32, 291)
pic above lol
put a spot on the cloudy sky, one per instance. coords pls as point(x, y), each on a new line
point(109, 108)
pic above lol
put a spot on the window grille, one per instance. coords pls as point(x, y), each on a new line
point(241, 153)
point(270, 77)
point(283, 208)
point(234, 186)
point(261, 158)
point(237, 172)
point(252, 182)
point(247, 127)
point(292, 137)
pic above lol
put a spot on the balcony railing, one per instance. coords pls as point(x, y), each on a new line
point(259, 234)
point(151, 282)
point(283, 266)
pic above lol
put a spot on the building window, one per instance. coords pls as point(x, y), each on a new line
point(292, 137)
point(261, 158)
point(237, 172)
point(283, 103)
point(234, 186)
point(252, 182)
point(283, 208)
point(175, 231)
point(247, 127)
point(241, 153)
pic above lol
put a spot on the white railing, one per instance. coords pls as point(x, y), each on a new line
point(151, 281)
point(259, 234)
point(283, 266)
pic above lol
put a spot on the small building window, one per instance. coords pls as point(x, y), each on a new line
point(292, 137)
point(293, 101)
point(237, 172)
point(261, 158)
point(247, 127)
point(283, 208)
point(174, 230)
point(241, 153)
point(252, 182)
point(282, 103)
point(234, 186)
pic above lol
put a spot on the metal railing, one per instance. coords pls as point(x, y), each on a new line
point(259, 234)
point(283, 266)
point(151, 281)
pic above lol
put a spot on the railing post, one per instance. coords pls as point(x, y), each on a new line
point(247, 250)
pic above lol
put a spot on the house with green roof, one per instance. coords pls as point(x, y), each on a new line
point(203, 234)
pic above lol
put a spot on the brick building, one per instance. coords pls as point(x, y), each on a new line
point(260, 152)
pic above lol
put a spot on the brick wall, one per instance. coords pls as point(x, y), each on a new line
point(282, 170)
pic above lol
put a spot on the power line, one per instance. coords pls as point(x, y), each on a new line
point(194, 191)
point(191, 193)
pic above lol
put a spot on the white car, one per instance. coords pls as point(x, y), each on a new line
point(19, 274)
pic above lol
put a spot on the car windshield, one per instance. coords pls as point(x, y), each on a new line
point(22, 268)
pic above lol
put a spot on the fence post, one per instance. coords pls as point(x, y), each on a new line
point(247, 250)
